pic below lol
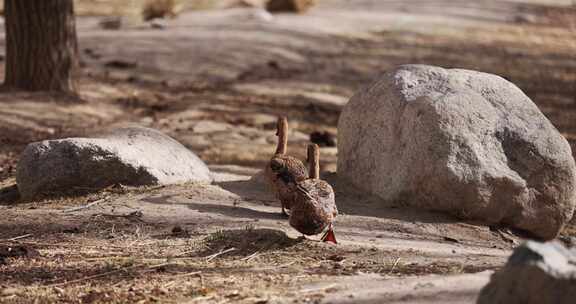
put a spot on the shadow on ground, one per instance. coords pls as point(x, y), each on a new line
point(245, 241)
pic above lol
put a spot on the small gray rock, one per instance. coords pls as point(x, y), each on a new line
point(130, 156)
point(291, 6)
point(536, 273)
point(465, 142)
point(111, 23)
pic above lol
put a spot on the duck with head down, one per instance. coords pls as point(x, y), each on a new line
point(313, 209)
point(283, 168)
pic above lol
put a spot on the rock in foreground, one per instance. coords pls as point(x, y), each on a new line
point(130, 156)
point(468, 143)
point(536, 273)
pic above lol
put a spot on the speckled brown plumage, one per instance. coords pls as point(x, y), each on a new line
point(314, 206)
point(284, 169)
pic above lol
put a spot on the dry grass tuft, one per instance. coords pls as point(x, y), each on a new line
point(247, 241)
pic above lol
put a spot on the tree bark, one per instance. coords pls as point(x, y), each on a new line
point(41, 45)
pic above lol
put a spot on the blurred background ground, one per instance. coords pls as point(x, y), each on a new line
point(215, 79)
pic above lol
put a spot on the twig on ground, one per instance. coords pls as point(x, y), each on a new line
point(213, 256)
point(394, 265)
point(274, 267)
point(248, 258)
point(18, 237)
point(505, 235)
point(43, 244)
point(134, 215)
point(106, 274)
point(169, 284)
point(188, 274)
point(93, 276)
point(96, 202)
point(201, 280)
point(116, 188)
point(160, 265)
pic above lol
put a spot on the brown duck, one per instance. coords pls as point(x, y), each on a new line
point(314, 207)
point(284, 168)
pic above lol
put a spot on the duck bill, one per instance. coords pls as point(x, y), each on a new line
point(329, 237)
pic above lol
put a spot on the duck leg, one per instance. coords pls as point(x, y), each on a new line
point(284, 213)
point(329, 236)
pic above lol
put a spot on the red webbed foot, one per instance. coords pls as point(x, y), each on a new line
point(329, 236)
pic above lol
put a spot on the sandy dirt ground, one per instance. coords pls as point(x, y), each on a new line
point(215, 80)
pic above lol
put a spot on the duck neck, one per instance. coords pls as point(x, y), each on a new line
point(282, 133)
point(314, 161)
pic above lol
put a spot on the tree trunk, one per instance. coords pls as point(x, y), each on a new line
point(41, 46)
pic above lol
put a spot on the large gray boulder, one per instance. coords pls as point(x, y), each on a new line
point(131, 156)
point(536, 273)
point(460, 141)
